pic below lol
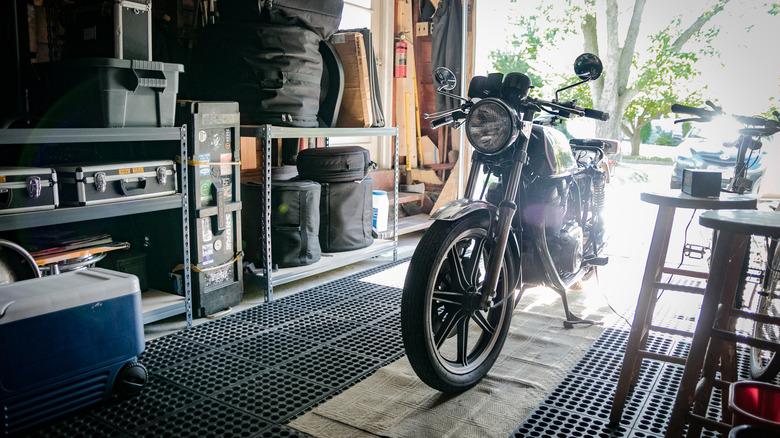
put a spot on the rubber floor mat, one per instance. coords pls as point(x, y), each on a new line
point(581, 403)
point(247, 374)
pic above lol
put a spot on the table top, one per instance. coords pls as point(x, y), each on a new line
point(758, 222)
point(678, 199)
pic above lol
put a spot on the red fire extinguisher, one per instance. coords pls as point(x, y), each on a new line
point(400, 59)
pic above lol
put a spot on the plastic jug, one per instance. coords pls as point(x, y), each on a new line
point(381, 206)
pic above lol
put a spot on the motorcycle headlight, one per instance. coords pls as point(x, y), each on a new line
point(492, 126)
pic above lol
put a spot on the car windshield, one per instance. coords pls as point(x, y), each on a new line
point(724, 129)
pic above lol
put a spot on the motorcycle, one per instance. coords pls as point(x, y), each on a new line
point(532, 214)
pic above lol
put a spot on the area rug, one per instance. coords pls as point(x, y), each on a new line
point(393, 402)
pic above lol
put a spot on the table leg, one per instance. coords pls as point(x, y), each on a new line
point(723, 280)
point(656, 259)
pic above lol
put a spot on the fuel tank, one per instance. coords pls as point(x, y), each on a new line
point(549, 153)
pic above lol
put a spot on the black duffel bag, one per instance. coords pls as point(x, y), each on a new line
point(321, 16)
point(274, 72)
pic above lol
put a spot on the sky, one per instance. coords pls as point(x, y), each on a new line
point(741, 81)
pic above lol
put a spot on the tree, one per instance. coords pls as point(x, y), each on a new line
point(634, 89)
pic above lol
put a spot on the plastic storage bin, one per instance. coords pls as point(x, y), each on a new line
point(105, 93)
point(755, 403)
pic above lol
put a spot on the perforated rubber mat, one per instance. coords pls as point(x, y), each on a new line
point(249, 373)
point(580, 405)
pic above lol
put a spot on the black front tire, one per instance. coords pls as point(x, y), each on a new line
point(450, 342)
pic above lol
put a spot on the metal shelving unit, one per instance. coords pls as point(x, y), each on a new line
point(160, 304)
point(267, 276)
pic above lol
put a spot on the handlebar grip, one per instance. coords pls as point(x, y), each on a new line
point(699, 112)
point(449, 119)
point(596, 114)
point(441, 121)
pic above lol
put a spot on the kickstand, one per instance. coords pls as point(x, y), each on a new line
point(572, 320)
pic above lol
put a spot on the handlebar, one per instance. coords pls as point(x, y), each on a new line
point(564, 109)
point(596, 114)
point(758, 125)
point(449, 119)
point(698, 112)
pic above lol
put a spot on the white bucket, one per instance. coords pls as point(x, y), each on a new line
point(381, 206)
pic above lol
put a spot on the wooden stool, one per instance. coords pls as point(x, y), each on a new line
point(717, 321)
point(651, 284)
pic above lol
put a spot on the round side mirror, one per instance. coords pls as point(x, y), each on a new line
point(588, 67)
point(444, 79)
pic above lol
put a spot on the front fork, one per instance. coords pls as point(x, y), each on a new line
point(506, 212)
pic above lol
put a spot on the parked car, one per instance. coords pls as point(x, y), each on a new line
point(713, 146)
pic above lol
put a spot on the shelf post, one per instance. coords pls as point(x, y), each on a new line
point(185, 215)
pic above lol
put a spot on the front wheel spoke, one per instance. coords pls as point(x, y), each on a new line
point(447, 327)
point(448, 297)
point(463, 341)
point(483, 323)
point(472, 271)
point(457, 273)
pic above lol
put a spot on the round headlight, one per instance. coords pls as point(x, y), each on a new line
point(491, 126)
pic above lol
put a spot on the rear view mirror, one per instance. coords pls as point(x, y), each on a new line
point(444, 79)
point(588, 67)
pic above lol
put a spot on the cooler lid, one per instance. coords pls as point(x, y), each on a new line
point(40, 296)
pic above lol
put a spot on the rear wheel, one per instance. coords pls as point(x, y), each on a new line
point(765, 365)
point(451, 342)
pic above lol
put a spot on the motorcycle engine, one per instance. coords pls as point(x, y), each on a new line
point(566, 247)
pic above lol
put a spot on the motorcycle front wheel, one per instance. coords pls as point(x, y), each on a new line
point(450, 341)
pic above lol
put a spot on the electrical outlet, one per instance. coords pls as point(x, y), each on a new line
point(422, 29)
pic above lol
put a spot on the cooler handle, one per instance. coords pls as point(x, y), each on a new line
point(132, 191)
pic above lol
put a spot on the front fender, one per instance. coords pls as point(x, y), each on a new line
point(459, 208)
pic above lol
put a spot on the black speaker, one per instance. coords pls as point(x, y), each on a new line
point(701, 183)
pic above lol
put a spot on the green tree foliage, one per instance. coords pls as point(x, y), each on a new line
point(637, 88)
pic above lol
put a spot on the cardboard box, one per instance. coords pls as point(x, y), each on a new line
point(355, 109)
point(429, 151)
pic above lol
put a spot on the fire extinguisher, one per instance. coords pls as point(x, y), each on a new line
point(400, 59)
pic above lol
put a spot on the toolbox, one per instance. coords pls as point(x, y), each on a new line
point(113, 182)
point(67, 341)
point(116, 29)
point(24, 189)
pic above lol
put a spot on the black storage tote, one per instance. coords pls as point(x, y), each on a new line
point(346, 215)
